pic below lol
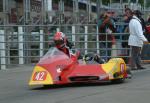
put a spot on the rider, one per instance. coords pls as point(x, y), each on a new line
point(62, 43)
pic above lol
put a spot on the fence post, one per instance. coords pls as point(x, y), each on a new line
point(86, 39)
point(20, 41)
point(41, 43)
point(97, 40)
point(57, 29)
point(3, 50)
point(49, 8)
point(73, 34)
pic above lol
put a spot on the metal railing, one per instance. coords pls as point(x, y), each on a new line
point(19, 45)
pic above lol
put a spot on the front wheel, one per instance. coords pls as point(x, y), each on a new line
point(118, 81)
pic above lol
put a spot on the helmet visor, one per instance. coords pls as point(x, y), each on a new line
point(59, 42)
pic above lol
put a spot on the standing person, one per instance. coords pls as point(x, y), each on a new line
point(148, 19)
point(126, 19)
point(136, 40)
point(129, 14)
point(145, 29)
point(106, 28)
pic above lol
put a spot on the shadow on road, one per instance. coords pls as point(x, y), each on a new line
point(75, 85)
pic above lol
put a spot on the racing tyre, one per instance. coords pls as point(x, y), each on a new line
point(46, 86)
point(118, 81)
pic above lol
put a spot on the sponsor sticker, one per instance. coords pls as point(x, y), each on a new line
point(122, 67)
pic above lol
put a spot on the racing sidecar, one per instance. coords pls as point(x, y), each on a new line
point(55, 67)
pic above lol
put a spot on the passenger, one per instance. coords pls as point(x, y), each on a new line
point(92, 57)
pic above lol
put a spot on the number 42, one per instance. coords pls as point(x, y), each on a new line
point(40, 76)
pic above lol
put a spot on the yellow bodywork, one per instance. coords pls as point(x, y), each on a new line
point(115, 65)
point(40, 76)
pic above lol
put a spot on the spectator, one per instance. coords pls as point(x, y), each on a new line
point(136, 40)
point(142, 21)
point(148, 27)
point(1, 21)
point(126, 19)
point(106, 25)
point(148, 19)
point(125, 30)
point(129, 14)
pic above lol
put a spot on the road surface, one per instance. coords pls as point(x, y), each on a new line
point(14, 89)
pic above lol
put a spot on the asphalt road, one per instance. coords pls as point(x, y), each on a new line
point(14, 89)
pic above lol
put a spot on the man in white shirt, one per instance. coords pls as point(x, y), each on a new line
point(136, 40)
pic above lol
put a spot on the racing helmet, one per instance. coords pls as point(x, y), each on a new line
point(59, 40)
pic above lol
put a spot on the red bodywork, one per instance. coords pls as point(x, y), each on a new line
point(63, 69)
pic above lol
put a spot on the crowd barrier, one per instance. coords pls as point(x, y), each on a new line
point(25, 46)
